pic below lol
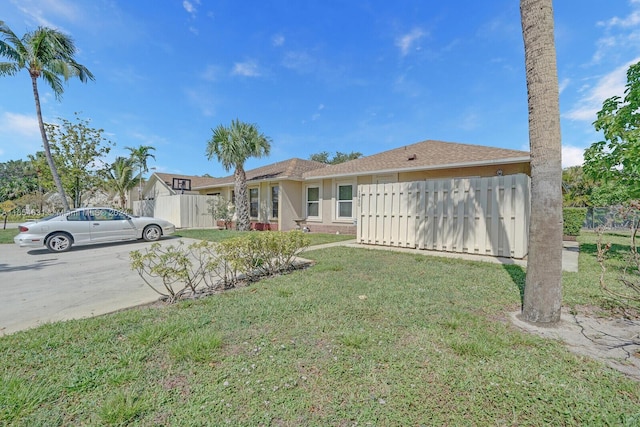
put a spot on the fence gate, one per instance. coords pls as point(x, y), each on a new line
point(484, 216)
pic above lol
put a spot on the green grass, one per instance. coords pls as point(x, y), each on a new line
point(215, 235)
point(364, 337)
point(7, 235)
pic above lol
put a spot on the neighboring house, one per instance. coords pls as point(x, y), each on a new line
point(301, 193)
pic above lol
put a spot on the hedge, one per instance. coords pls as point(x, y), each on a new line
point(572, 220)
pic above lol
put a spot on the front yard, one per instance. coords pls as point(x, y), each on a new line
point(362, 338)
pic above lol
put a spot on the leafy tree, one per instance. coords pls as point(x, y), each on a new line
point(78, 150)
point(576, 187)
point(46, 53)
point(340, 157)
point(543, 285)
point(17, 178)
point(121, 177)
point(616, 159)
point(140, 156)
point(232, 146)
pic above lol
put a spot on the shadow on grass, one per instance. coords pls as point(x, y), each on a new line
point(616, 252)
point(518, 275)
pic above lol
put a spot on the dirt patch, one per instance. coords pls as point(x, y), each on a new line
point(614, 341)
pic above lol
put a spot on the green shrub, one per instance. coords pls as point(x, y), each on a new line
point(204, 266)
point(572, 220)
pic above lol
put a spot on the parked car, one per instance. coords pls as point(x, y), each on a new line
point(87, 226)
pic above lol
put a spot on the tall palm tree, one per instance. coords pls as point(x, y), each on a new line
point(232, 146)
point(121, 178)
point(543, 285)
point(140, 155)
point(45, 53)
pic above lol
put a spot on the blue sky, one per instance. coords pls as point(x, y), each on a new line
point(358, 75)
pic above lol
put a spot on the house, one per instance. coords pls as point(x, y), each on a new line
point(299, 193)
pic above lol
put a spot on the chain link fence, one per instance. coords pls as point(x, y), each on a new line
point(613, 217)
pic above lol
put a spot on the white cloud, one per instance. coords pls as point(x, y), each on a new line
point(407, 41)
point(299, 61)
point(610, 85)
point(626, 22)
point(20, 135)
point(572, 156)
point(38, 10)
point(277, 40)
point(247, 69)
point(21, 124)
point(621, 34)
point(211, 73)
point(190, 6)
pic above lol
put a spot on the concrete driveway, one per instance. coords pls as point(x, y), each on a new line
point(39, 286)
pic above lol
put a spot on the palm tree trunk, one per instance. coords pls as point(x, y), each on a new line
point(242, 209)
point(47, 148)
point(543, 286)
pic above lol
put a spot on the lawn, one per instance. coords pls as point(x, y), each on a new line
point(7, 235)
point(215, 235)
point(364, 337)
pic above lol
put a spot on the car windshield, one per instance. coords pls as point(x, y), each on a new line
point(48, 217)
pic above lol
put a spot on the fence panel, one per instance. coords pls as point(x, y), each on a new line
point(183, 210)
point(486, 216)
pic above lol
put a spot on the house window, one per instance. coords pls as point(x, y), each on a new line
point(274, 201)
point(313, 201)
point(254, 201)
point(345, 201)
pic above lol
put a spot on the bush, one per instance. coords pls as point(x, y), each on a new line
point(203, 267)
point(572, 220)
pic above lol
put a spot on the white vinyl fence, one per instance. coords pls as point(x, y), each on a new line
point(183, 210)
point(485, 216)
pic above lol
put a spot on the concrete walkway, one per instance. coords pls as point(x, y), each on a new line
point(570, 254)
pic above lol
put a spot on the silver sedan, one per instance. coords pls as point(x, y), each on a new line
point(87, 226)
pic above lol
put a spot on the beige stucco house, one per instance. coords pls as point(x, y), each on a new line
point(301, 193)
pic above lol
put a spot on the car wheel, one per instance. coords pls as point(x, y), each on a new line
point(59, 242)
point(151, 233)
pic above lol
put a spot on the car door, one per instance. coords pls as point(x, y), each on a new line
point(78, 225)
point(109, 225)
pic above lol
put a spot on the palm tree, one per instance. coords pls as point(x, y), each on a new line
point(121, 178)
point(45, 53)
point(543, 285)
point(232, 146)
point(140, 156)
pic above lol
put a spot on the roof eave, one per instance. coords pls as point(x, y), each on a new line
point(228, 183)
point(508, 160)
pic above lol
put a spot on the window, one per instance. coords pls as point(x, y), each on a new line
point(313, 201)
point(254, 201)
point(274, 201)
point(345, 201)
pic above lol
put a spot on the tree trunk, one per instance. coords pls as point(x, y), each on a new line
point(47, 148)
point(242, 201)
point(543, 286)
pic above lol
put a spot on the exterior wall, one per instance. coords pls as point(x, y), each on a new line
point(292, 204)
point(157, 190)
point(484, 216)
point(479, 171)
point(183, 210)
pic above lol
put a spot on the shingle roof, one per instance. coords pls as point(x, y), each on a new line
point(196, 181)
point(423, 155)
point(419, 156)
point(287, 169)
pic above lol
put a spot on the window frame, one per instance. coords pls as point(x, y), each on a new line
point(257, 190)
point(340, 202)
point(318, 202)
point(275, 213)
